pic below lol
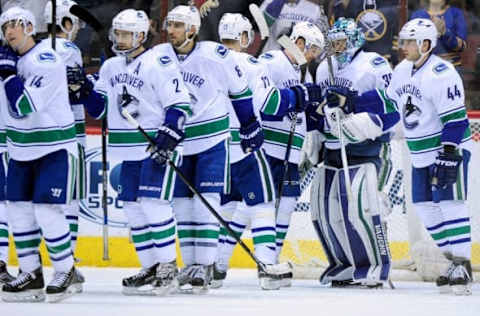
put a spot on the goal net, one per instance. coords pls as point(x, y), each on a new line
point(414, 254)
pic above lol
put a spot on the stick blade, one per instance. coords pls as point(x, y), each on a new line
point(87, 17)
point(293, 49)
point(260, 20)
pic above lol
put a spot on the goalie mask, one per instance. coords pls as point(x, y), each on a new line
point(63, 12)
point(346, 30)
point(232, 26)
point(189, 16)
point(419, 30)
point(310, 33)
point(129, 20)
point(18, 16)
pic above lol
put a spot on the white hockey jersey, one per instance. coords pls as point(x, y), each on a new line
point(266, 98)
point(148, 85)
point(366, 71)
point(284, 75)
point(50, 126)
point(213, 79)
point(72, 57)
point(292, 13)
point(427, 99)
point(3, 131)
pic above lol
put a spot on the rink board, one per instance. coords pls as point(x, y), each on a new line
point(304, 250)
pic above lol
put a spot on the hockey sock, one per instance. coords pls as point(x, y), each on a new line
point(26, 234)
point(287, 206)
point(432, 218)
point(3, 233)
point(206, 229)
point(238, 224)
point(226, 211)
point(71, 214)
point(263, 231)
point(162, 226)
point(183, 210)
point(456, 229)
point(141, 234)
point(56, 233)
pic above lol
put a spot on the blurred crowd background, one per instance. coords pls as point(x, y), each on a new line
point(457, 20)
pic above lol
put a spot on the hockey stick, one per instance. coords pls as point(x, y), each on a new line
point(272, 270)
point(259, 19)
point(88, 18)
point(53, 28)
point(293, 49)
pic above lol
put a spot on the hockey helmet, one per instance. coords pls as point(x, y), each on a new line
point(419, 30)
point(233, 25)
point(310, 33)
point(346, 29)
point(130, 20)
point(19, 15)
point(63, 12)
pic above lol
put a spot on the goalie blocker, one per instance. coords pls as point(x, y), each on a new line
point(352, 236)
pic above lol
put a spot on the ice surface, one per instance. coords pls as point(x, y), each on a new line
point(241, 295)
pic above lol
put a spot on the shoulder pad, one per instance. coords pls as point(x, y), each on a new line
point(252, 60)
point(266, 56)
point(164, 60)
point(46, 57)
point(221, 50)
point(378, 61)
point(441, 67)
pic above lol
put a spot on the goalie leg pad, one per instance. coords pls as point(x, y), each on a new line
point(363, 225)
point(329, 227)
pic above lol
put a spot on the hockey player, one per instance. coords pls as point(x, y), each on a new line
point(67, 27)
point(148, 84)
point(4, 275)
point(353, 237)
point(434, 119)
point(43, 152)
point(285, 73)
point(255, 187)
point(214, 80)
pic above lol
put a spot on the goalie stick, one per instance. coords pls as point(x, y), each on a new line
point(274, 271)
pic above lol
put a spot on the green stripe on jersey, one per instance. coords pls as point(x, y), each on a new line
point(460, 114)
point(247, 93)
point(126, 137)
point(282, 137)
point(204, 129)
point(273, 102)
point(431, 142)
point(80, 128)
point(390, 106)
point(3, 137)
point(42, 137)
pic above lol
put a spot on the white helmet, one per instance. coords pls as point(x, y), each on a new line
point(419, 30)
point(130, 20)
point(233, 25)
point(188, 15)
point(310, 32)
point(63, 11)
point(21, 16)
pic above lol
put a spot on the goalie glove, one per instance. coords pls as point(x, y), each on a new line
point(355, 128)
point(204, 6)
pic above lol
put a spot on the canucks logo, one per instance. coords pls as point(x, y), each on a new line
point(164, 60)
point(222, 51)
point(129, 102)
point(411, 114)
point(440, 68)
point(46, 57)
point(252, 60)
point(378, 61)
point(266, 56)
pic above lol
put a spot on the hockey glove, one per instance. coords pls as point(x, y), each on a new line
point(251, 136)
point(204, 6)
point(445, 169)
point(338, 96)
point(8, 62)
point(168, 137)
point(306, 94)
point(79, 86)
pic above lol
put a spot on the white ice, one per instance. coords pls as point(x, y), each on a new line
point(241, 295)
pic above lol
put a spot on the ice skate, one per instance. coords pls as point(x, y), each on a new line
point(140, 283)
point(165, 278)
point(27, 287)
point(219, 275)
point(62, 286)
